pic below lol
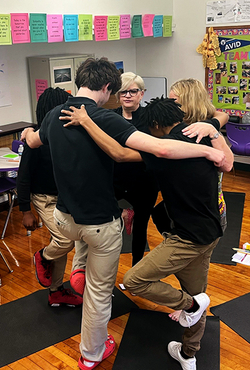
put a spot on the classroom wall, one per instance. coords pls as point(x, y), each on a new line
point(177, 58)
point(173, 58)
point(15, 55)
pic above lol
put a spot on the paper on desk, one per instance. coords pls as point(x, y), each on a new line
point(10, 156)
point(241, 258)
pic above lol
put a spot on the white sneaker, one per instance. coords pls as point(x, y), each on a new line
point(188, 319)
point(174, 349)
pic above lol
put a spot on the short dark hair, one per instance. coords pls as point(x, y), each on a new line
point(96, 73)
point(162, 112)
point(48, 100)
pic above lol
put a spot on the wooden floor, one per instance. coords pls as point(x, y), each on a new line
point(225, 283)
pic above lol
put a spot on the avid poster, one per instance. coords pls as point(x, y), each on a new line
point(229, 84)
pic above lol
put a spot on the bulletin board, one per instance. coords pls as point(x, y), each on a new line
point(229, 84)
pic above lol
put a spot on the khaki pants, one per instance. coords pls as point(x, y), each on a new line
point(189, 262)
point(104, 244)
point(59, 246)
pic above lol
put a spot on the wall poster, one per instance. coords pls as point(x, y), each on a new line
point(229, 84)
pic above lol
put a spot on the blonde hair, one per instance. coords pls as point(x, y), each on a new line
point(194, 100)
point(128, 78)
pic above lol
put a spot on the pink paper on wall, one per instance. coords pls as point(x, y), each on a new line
point(125, 26)
point(147, 24)
point(41, 85)
point(55, 27)
point(20, 28)
point(100, 27)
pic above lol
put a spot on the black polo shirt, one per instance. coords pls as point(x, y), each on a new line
point(190, 191)
point(83, 172)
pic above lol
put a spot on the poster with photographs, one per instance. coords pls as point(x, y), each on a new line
point(229, 84)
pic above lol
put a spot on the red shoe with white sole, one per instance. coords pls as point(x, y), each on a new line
point(110, 347)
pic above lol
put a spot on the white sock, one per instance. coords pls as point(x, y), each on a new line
point(88, 363)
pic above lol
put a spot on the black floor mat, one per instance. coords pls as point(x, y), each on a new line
point(235, 206)
point(29, 325)
point(234, 314)
point(147, 334)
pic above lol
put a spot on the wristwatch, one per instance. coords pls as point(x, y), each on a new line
point(216, 135)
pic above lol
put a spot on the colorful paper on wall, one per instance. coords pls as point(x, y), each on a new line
point(125, 27)
point(70, 26)
point(113, 27)
point(137, 26)
point(167, 26)
point(41, 85)
point(55, 27)
point(5, 34)
point(147, 24)
point(20, 28)
point(157, 25)
point(38, 30)
point(85, 27)
point(100, 24)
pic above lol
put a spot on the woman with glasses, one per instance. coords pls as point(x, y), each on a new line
point(131, 180)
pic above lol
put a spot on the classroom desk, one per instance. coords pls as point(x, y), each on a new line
point(9, 164)
point(9, 161)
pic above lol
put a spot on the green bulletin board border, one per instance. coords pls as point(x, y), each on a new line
point(228, 76)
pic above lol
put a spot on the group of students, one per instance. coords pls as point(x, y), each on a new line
point(83, 140)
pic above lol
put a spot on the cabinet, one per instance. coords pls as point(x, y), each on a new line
point(53, 71)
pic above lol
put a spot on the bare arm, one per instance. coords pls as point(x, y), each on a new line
point(171, 149)
point(103, 140)
point(32, 137)
point(202, 129)
point(174, 149)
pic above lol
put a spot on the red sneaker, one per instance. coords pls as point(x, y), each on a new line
point(64, 297)
point(77, 280)
point(110, 347)
point(43, 269)
point(129, 220)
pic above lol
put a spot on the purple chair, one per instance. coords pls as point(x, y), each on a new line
point(15, 145)
point(239, 137)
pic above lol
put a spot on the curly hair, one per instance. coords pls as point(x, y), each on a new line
point(162, 112)
point(48, 100)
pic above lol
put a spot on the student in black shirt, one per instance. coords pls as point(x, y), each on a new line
point(87, 208)
point(36, 184)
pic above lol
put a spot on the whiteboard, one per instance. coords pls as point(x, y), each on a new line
point(155, 87)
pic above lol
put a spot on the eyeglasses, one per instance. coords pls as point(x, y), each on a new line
point(132, 92)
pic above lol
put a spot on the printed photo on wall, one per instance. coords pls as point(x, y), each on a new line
point(220, 99)
point(232, 79)
point(233, 90)
point(218, 78)
point(246, 99)
point(236, 100)
point(62, 74)
point(243, 84)
point(233, 67)
point(221, 90)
